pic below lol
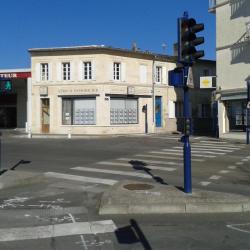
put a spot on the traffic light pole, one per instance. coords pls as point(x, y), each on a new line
point(186, 146)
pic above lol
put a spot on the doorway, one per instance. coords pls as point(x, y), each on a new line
point(45, 115)
point(158, 111)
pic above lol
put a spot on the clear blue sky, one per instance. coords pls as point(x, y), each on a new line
point(48, 23)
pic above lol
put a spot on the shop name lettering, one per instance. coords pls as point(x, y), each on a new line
point(11, 75)
point(66, 91)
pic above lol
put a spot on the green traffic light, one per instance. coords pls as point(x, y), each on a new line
point(8, 86)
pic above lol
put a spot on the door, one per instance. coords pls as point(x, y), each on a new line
point(158, 112)
point(45, 113)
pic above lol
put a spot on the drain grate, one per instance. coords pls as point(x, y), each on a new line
point(138, 186)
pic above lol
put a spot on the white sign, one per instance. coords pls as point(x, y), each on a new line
point(190, 79)
point(206, 82)
point(131, 90)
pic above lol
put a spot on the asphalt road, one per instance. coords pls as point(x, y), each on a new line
point(64, 202)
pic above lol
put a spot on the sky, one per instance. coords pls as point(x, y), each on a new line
point(118, 23)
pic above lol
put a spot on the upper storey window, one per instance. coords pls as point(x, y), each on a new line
point(87, 71)
point(66, 71)
point(44, 70)
point(158, 74)
point(117, 71)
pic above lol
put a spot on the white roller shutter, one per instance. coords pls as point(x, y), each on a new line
point(171, 109)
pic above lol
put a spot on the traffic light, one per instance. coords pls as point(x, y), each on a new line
point(187, 126)
point(187, 40)
point(5, 86)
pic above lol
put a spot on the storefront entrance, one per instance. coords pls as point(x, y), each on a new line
point(158, 105)
point(45, 115)
point(8, 111)
point(236, 111)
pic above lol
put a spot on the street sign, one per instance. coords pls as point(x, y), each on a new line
point(175, 78)
point(190, 78)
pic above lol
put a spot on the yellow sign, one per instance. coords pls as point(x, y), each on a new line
point(206, 82)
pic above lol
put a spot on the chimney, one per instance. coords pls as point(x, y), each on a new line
point(134, 47)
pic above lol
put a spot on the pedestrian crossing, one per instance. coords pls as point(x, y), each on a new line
point(145, 165)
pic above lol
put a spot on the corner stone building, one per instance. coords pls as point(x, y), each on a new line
point(103, 90)
point(233, 61)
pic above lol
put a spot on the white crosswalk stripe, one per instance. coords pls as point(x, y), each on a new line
point(178, 152)
point(212, 148)
point(71, 177)
point(215, 146)
point(166, 157)
point(150, 161)
point(109, 163)
point(197, 150)
point(115, 172)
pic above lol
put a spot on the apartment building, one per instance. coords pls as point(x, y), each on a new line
point(233, 61)
point(105, 90)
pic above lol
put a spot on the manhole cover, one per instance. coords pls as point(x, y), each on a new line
point(138, 186)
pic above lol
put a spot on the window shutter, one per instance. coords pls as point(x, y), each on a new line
point(38, 69)
point(111, 71)
point(72, 68)
point(143, 74)
point(93, 66)
point(123, 72)
point(50, 71)
point(80, 71)
point(59, 71)
point(171, 109)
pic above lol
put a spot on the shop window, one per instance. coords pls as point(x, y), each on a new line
point(123, 111)
point(66, 71)
point(78, 111)
point(117, 71)
point(44, 71)
point(87, 70)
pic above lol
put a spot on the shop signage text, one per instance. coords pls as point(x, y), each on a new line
point(22, 75)
point(77, 91)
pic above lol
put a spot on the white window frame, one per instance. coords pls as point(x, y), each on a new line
point(66, 71)
point(117, 71)
point(44, 71)
point(87, 70)
point(158, 74)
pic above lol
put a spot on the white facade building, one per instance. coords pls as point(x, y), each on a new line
point(232, 61)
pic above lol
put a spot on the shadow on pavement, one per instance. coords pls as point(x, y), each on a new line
point(132, 234)
point(139, 165)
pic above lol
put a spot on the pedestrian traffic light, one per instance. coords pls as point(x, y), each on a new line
point(187, 126)
point(187, 40)
point(5, 86)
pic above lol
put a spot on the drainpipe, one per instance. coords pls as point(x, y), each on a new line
point(153, 91)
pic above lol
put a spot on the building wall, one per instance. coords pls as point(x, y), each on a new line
point(232, 59)
point(103, 87)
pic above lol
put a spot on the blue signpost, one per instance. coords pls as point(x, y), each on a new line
point(187, 55)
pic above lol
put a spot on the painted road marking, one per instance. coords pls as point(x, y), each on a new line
point(239, 163)
point(214, 142)
point(80, 178)
point(215, 177)
point(240, 227)
point(205, 183)
point(151, 161)
point(81, 236)
point(58, 230)
point(178, 152)
point(245, 160)
point(224, 171)
point(131, 166)
point(115, 172)
point(232, 167)
point(167, 157)
point(212, 148)
point(215, 146)
point(197, 150)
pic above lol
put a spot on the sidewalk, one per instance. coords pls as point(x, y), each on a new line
point(128, 197)
point(239, 136)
